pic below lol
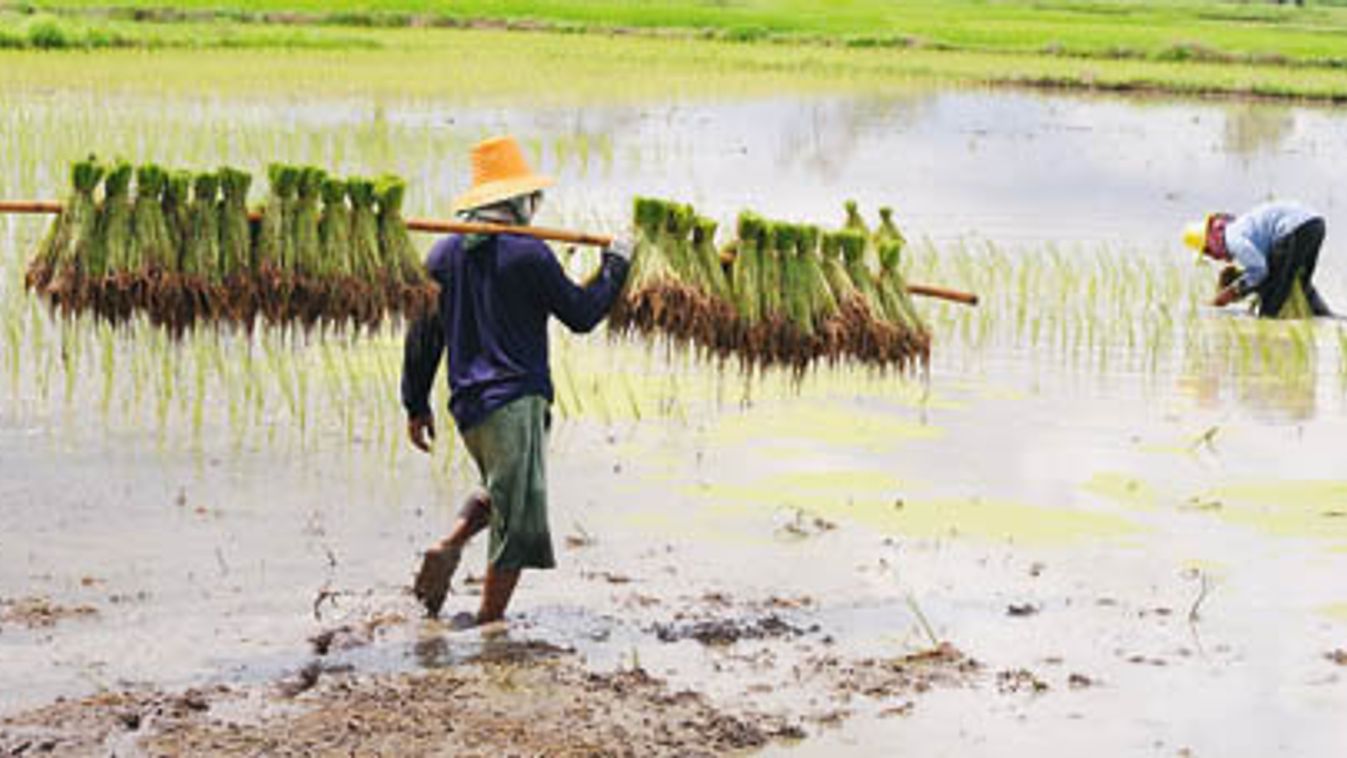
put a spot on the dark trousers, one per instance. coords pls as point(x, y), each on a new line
point(1293, 258)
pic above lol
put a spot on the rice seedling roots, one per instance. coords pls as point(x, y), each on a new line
point(777, 302)
point(184, 262)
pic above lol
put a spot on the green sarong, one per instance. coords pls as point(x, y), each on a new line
point(509, 448)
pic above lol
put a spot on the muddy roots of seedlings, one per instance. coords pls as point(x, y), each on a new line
point(779, 295)
point(183, 250)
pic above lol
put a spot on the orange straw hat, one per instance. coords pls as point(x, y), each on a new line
point(499, 172)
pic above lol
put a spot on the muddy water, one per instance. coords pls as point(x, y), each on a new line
point(1174, 540)
point(1008, 166)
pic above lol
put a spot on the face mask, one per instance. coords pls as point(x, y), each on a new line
point(526, 207)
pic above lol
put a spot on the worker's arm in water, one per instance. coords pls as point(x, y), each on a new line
point(581, 308)
point(1227, 295)
point(1246, 252)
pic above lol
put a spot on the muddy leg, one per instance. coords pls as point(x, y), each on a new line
point(441, 561)
point(473, 517)
point(496, 593)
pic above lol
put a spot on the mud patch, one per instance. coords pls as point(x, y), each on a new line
point(40, 612)
point(723, 632)
point(100, 724)
point(551, 706)
point(1019, 680)
point(890, 678)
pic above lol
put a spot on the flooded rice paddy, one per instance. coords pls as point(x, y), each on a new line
point(1129, 509)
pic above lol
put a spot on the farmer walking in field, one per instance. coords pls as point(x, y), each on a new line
point(1268, 249)
point(497, 293)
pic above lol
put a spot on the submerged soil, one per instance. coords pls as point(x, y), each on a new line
point(522, 696)
point(1131, 563)
point(39, 612)
point(525, 704)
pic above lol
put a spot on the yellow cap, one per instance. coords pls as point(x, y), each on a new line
point(1195, 235)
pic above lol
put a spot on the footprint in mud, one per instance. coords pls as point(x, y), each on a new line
point(721, 632)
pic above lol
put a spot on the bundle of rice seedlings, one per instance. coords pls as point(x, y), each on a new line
point(854, 244)
point(780, 238)
point(344, 291)
point(647, 219)
point(768, 339)
point(239, 285)
point(201, 253)
point(894, 338)
point(308, 189)
point(308, 294)
point(676, 242)
point(175, 201)
point(707, 259)
point(275, 244)
point(889, 243)
point(825, 326)
point(202, 293)
point(898, 307)
point(365, 255)
point(186, 249)
point(794, 343)
point(853, 314)
point(686, 310)
point(72, 231)
point(157, 272)
point(149, 228)
point(796, 298)
point(746, 276)
point(120, 288)
point(876, 340)
point(834, 269)
point(413, 293)
point(855, 222)
point(642, 305)
point(888, 231)
point(723, 330)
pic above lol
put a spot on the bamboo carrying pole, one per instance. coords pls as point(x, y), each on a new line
point(441, 226)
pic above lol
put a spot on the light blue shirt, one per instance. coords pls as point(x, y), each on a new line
point(1249, 238)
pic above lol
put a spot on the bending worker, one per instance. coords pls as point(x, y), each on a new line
point(1275, 244)
point(497, 293)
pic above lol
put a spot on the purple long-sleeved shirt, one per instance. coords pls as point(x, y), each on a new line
point(495, 300)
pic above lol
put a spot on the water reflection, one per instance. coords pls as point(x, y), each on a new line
point(1252, 128)
point(1008, 166)
point(1271, 371)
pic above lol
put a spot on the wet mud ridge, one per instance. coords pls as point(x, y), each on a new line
point(530, 706)
point(514, 692)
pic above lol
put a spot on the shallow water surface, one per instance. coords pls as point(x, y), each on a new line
point(1172, 517)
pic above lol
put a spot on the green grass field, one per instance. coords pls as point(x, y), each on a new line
point(1141, 28)
point(432, 63)
point(1190, 46)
